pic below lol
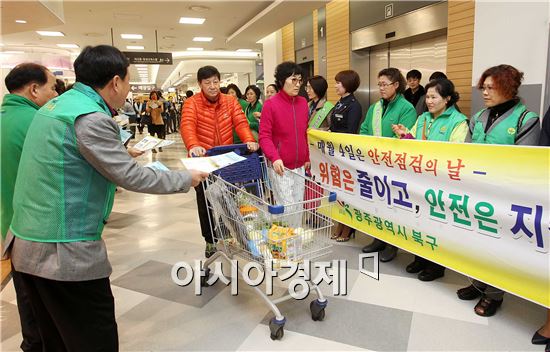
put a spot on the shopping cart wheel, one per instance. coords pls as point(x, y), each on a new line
point(277, 328)
point(204, 279)
point(317, 310)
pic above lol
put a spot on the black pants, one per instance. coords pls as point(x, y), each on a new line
point(32, 341)
point(132, 119)
point(158, 130)
point(429, 264)
point(73, 316)
point(203, 213)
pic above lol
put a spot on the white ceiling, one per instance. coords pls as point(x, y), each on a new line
point(91, 22)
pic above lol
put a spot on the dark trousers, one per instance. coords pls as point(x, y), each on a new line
point(132, 119)
point(428, 264)
point(158, 130)
point(73, 316)
point(32, 341)
point(203, 213)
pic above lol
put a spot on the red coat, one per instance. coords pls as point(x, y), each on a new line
point(208, 125)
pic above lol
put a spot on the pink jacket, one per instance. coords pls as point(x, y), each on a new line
point(283, 130)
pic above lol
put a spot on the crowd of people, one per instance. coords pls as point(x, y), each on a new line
point(62, 157)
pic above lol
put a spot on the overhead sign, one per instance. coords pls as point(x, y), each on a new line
point(148, 58)
point(142, 88)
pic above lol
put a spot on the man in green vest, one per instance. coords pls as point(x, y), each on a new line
point(30, 86)
point(71, 160)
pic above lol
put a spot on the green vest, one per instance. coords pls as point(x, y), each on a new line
point(504, 129)
point(319, 117)
point(398, 111)
point(16, 115)
point(59, 196)
point(441, 128)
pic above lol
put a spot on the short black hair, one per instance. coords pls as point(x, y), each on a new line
point(236, 89)
point(350, 80)
point(414, 74)
point(189, 93)
point(207, 72)
point(97, 65)
point(24, 74)
point(285, 70)
point(438, 75)
point(319, 85)
point(256, 91)
point(223, 90)
point(60, 86)
point(445, 88)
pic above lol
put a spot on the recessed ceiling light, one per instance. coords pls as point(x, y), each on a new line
point(202, 39)
point(50, 34)
point(13, 52)
point(135, 47)
point(20, 21)
point(195, 49)
point(131, 36)
point(192, 20)
point(244, 50)
point(68, 46)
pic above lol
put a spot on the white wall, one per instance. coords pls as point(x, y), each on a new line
point(272, 55)
point(514, 33)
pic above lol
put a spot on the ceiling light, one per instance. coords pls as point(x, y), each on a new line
point(199, 8)
point(1, 44)
point(131, 36)
point(244, 50)
point(20, 21)
point(13, 52)
point(192, 20)
point(202, 39)
point(135, 47)
point(195, 49)
point(50, 34)
point(68, 46)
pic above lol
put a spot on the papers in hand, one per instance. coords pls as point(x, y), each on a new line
point(151, 142)
point(157, 165)
point(212, 163)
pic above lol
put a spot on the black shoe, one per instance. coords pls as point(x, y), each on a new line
point(416, 267)
point(538, 339)
point(388, 254)
point(375, 246)
point(469, 293)
point(430, 275)
point(547, 348)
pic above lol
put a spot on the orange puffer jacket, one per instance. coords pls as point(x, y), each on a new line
point(208, 125)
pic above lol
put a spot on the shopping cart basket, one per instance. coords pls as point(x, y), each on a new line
point(271, 220)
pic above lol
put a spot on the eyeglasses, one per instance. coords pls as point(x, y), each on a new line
point(384, 85)
point(296, 81)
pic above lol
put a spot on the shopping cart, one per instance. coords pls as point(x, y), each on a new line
point(254, 222)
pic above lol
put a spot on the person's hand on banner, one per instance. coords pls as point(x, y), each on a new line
point(399, 130)
point(197, 151)
point(278, 167)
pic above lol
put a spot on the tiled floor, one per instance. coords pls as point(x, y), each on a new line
point(147, 234)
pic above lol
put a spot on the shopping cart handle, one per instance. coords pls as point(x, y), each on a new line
point(332, 197)
point(239, 149)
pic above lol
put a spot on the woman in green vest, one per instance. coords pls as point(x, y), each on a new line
point(442, 122)
point(391, 109)
point(233, 90)
point(319, 106)
point(505, 120)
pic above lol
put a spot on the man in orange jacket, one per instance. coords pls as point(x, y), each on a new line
point(208, 120)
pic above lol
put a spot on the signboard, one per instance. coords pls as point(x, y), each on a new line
point(142, 88)
point(148, 58)
point(481, 210)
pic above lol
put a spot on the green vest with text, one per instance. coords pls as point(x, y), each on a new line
point(441, 128)
point(502, 132)
point(59, 196)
